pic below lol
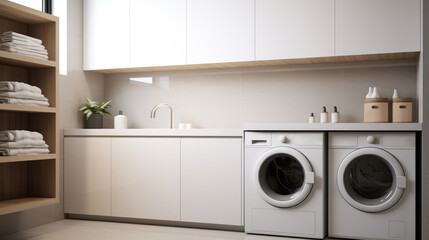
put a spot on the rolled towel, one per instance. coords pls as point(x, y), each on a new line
point(21, 101)
point(16, 135)
point(25, 143)
point(22, 151)
point(13, 86)
point(19, 35)
point(24, 95)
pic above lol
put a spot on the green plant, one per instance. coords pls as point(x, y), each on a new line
point(93, 107)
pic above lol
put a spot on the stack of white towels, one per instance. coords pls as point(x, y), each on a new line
point(22, 44)
point(22, 142)
point(21, 93)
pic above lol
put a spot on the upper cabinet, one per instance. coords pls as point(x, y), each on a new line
point(220, 31)
point(377, 26)
point(157, 32)
point(294, 29)
point(106, 34)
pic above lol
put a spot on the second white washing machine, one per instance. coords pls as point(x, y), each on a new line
point(285, 190)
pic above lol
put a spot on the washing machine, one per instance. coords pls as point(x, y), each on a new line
point(372, 185)
point(285, 190)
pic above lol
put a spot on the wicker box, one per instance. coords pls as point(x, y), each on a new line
point(402, 110)
point(376, 110)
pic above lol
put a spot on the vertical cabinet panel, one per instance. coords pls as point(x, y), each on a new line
point(87, 167)
point(294, 29)
point(220, 31)
point(211, 180)
point(146, 178)
point(377, 26)
point(106, 34)
point(157, 32)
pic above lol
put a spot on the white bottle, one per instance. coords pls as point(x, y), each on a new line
point(324, 116)
point(335, 116)
point(375, 93)
point(395, 94)
point(120, 121)
point(311, 118)
point(369, 94)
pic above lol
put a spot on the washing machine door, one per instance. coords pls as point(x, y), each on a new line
point(371, 179)
point(284, 177)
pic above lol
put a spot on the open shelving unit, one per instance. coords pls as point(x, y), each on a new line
point(30, 181)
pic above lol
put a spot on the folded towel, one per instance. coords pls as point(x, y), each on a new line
point(34, 49)
point(21, 41)
point(22, 151)
point(21, 101)
point(19, 35)
point(13, 86)
point(24, 95)
point(24, 143)
point(16, 135)
point(14, 50)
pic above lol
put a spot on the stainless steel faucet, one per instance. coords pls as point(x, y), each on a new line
point(152, 114)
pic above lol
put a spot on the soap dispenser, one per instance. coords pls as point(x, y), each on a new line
point(311, 118)
point(120, 121)
point(335, 116)
point(324, 116)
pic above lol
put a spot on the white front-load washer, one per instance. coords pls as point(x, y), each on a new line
point(372, 185)
point(285, 188)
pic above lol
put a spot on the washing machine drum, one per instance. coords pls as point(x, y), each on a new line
point(371, 179)
point(284, 177)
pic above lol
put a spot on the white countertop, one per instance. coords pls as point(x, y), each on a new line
point(332, 127)
point(162, 132)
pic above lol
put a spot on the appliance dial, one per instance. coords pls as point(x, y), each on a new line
point(283, 139)
point(370, 139)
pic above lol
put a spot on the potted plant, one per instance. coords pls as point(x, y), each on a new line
point(93, 112)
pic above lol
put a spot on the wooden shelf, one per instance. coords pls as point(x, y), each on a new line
point(24, 158)
point(279, 62)
point(22, 14)
point(26, 108)
point(15, 59)
point(21, 204)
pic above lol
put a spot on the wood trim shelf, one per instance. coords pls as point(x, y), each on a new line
point(19, 13)
point(26, 108)
point(279, 62)
point(15, 59)
point(20, 204)
point(24, 158)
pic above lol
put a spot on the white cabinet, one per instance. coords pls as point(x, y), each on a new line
point(146, 178)
point(211, 180)
point(294, 29)
point(87, 166)
point(105, 34)
point(157, 32)
point(220, 31)
point(377, 26)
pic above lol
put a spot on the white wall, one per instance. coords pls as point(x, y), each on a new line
point(227, 98)
point(74, 88)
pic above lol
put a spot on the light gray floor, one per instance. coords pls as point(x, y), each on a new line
point(96, 230)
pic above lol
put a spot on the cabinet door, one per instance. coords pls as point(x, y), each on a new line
point(87, 169)
point(157, 32)
point(220, 31)
point(377, 26)
point(211, 180)
point(105, 34)
point(146, 178)
point(294, 29)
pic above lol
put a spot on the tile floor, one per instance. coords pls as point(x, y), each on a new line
point(96, 230)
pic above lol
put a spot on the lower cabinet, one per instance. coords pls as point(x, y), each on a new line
point(190, 179)
point(87, 168)
point(146, 178)
point(211, 180)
